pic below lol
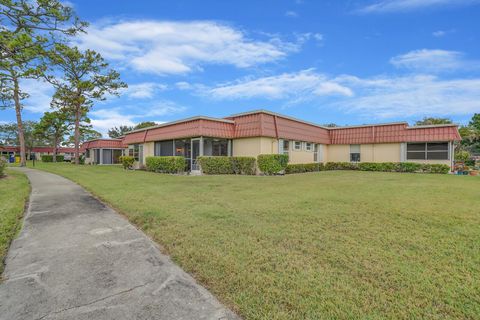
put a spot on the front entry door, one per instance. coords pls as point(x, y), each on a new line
point(195, 153)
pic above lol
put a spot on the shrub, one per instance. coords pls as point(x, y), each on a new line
point(409, 167)
point(304, 167)
point(388, 167)
point(439, 168)
point(173, 164)
point(272, 163)
point(244, 165)
point(127, 162)
point(49, 158)
point(378, 166)
point(462, 155)
point(341, 166)
point(3, 164)
point(216, 165)
point(227, 165)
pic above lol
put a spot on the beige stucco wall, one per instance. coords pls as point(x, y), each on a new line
point(90, 160)
point(380, 152)
point(337, 153)
point(148, 150)
point(300, 156)
point(252, 147)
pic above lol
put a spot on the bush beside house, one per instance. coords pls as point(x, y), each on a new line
point(127, 162)
point(304, 167)
point(271, 164)
point(173, 164)
point(227, 165)
point(369, 166)
point(3, 165)
point(49, 158)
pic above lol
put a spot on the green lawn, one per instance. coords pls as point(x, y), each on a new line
point(321, 245)
point(14, 190)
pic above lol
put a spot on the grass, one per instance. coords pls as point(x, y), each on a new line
point(312, 246)
point(14, 190)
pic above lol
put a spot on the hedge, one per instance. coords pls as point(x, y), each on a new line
point(389, 167)
point(127, 162)
point(3, 165)
point(49, 158)
point(304, 167)
point(244, 165)
point(173, 164)
point(271, 164)
point(227, 165)
point(216, 165)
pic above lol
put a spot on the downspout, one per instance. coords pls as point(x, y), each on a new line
point(373, 143)
point(276, 132)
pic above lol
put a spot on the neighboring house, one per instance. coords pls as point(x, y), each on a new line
point(264, 132)
point(37, 152)
point(103, 151)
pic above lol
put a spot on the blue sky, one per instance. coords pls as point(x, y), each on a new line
point(346, 62)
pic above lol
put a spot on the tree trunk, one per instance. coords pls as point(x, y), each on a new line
point(18, 112)
point(77, 135)
point(55, 143)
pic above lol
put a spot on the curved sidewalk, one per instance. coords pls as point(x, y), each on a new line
point(76, 258)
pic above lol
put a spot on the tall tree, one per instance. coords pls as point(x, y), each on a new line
point(471, 135)
point(8, 134)
point(144, 124)
point(118, 132)
point(27, 28)
point(431, 121)
point(53, 126)
point(85, 78)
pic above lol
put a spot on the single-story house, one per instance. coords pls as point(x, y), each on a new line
point(264, 132)
point(103, 151)
point(37, 152)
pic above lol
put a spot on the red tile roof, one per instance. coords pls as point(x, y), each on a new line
point(104, 143)
point(269, 124)
point(398, 132)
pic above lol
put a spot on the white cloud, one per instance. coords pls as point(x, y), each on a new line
point(426, 60)
point(386, 6)
point(144, 90)
point(40, 95)
point(291, 14)
point(166, 47)
point(374, 97)
point(104, 119)
point(439, 33)
point(332, 88)
point(413, 95)
point(283, 86)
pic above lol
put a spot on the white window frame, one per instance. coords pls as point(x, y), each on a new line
point(353, 146)
point(295, 145)
point(309, 146)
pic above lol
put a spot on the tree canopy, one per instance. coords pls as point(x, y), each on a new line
point(432, 121)
point(118, 132)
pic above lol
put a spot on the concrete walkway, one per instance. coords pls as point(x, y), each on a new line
point(76, 258)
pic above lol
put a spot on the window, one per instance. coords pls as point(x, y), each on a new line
point(308, 146)
point(134, 151)
point(286, 146)
point(87, 153)
point(297, 145)
point(354, 153)
point(317, 154)
point(164, 148)
point(427, 151)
